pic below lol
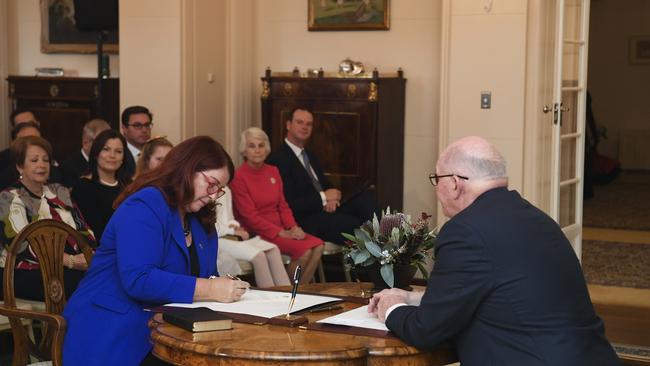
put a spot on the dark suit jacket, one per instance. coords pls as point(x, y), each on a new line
point(73, 168)
point(299, 191)
point(129, 163)
point(5, 158)
point(506, 289)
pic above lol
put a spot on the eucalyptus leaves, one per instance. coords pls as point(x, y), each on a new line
point(391, 240)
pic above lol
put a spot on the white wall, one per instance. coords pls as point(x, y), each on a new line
point(204, 68)
point(150, 61)
point(25, 45)
point(413, 43)
point(487, 52)
point(620, 90)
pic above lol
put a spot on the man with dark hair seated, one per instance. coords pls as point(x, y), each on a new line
point(17, 117)
point(137, 122)
point(8, 172)
point(316, 205)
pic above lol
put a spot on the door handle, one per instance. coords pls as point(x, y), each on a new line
point(546, 109)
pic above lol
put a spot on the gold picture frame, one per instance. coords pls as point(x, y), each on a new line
point(344, 15)
point(59, 34)
point(640, 50)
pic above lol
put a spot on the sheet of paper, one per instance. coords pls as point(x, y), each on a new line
point(267, 304)
point(358, 317)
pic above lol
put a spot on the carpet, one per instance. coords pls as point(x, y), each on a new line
point(632, 350)
point(622, 204)
point(616, 264)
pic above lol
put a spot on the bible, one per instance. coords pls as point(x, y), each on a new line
point(197, 319)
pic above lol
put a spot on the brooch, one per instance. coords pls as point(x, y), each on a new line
point(272, 180)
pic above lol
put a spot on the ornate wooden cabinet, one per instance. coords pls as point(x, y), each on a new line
point(358, 127)
point(63, 105)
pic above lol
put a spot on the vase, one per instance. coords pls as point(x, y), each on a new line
point(403, 273)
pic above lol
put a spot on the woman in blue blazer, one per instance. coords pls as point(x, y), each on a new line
point(159, 246)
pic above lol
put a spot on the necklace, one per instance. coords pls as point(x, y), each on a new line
point(186, 226)
point(114, 184)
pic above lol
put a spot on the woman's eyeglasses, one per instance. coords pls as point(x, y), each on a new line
point(434, 178)
point(213, 187)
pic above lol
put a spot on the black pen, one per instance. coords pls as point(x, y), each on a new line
point(294, 290)
point(326, 308)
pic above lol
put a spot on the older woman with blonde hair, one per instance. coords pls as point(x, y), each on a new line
point(261, 208)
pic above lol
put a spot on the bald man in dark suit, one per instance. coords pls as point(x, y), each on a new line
point(506, 287)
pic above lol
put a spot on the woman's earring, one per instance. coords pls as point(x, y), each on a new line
point(20, 176)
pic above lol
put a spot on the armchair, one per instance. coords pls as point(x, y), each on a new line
point(47, 239)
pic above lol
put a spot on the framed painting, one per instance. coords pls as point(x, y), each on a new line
point(60, 35)
point(341, 15)
point(640, 50)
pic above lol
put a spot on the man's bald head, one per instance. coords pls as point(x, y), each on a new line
point(470, 166)
point(474, 158)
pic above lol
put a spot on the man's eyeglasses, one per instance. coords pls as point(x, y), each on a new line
point(433, 178)
point(139, 126)
point(213, 187)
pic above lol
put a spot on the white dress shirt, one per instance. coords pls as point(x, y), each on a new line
point(134, 151)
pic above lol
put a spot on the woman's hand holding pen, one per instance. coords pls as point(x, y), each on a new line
point(221, 289)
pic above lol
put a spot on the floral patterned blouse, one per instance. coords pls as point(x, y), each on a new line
point(20, 207)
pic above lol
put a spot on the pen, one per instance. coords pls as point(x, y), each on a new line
point(294, 290)
point(232, 277)
point(326, 308)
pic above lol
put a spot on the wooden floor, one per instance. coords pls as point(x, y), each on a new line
point(625, 311)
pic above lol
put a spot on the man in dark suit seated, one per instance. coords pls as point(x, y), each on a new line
point(137, 122)
point(506, 287)
point(77, 165)
point(8, 172)
point(17, 117)
point(316, 205)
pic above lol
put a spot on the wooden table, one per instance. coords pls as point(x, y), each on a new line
point(248, 344)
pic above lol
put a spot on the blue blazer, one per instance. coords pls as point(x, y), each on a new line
point(506, 289)
point(142, 262)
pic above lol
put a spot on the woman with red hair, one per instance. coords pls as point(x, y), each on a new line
point(160, 246)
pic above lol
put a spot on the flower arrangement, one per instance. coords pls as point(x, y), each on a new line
point(392, 240)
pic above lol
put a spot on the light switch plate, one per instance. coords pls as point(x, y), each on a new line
point(486, 100)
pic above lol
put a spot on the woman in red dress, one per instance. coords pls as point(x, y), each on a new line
point(260, 207)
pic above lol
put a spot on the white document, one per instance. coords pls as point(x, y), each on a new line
point(267, 304)
point(358, 317)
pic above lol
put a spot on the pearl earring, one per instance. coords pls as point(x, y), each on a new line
point(20, 176)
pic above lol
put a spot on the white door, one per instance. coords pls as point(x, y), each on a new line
point(568, 109)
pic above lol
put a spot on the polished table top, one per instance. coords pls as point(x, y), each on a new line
point(249, 344)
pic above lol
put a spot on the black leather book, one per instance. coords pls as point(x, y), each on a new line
point(196, 319)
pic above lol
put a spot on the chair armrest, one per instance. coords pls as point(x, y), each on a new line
point(56, 320)
point(56, 331)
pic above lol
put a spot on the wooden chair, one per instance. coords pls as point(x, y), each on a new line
point(47, 239)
